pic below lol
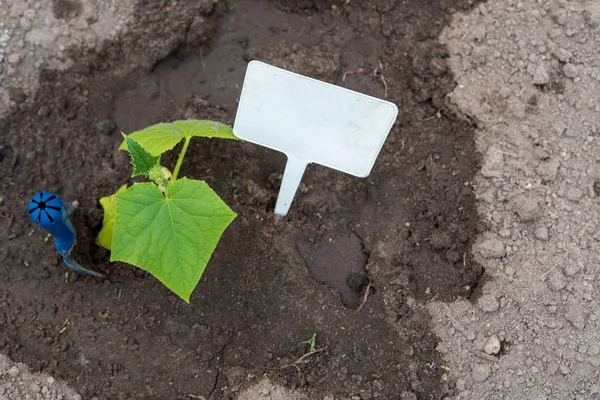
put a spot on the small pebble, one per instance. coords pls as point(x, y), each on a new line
point(563, 55)
point(504, 233)
point(527, 208)
point(541, 76)
point(480, 372)
point(13, 371)
point(541, 233)
point(575, 316)
point(574, 194)
point(570, 71)
point(572, 268)
point(14, 58)
point(556, 280)
point(493, 345)
point(488, 303)
point(547, 170)
point(592, 14)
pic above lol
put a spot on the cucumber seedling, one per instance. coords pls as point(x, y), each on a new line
point(169, 226)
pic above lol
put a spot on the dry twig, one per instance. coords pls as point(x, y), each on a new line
point(358, 71)
point(298, 361)
point(385, 86)
point(485, 356)
point(365, 296)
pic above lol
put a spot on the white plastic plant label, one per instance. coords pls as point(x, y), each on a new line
point(311, 122)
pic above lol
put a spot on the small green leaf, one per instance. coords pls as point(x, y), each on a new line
point(163, 137)
point(66, 324)
point(108, 204)
point(142, 160)
point(171, 236)
point(312, 342)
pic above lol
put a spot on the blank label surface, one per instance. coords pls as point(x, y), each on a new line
point(312, 120)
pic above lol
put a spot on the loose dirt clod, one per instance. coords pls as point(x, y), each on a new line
point(491, 248)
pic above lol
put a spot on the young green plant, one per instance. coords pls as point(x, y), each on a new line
point(312, 342)
point(169, 226)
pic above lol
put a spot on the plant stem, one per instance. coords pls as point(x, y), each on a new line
point(180, 159)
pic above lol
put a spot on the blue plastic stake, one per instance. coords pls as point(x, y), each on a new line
point(48, 211)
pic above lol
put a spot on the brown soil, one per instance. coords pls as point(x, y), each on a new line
point(273, 282)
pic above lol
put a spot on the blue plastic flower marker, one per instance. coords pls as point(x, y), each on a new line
point(48, 211)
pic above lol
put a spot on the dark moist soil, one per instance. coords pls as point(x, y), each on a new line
point(404, 233)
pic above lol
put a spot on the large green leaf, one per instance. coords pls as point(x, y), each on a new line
point(171, 236)
point(163, 137)
point(109, 206)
